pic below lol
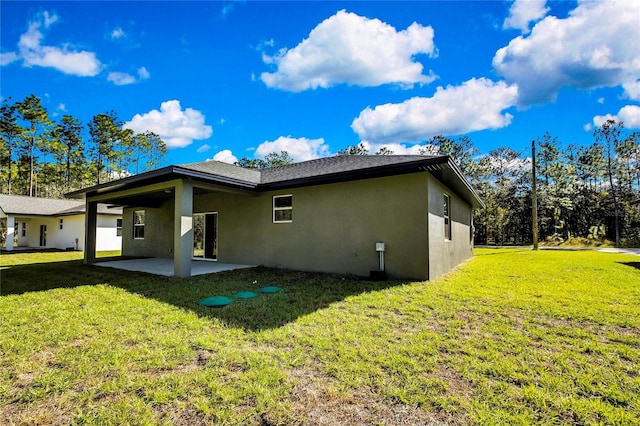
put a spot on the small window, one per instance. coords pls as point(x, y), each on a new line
point(138, 224)
point(282, 208)
point(119, 227)
point(61, 225)
point(447, 217)
point(24, 229)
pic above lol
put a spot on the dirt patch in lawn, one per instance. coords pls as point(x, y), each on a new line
point(316, 401)
point(181, 417)
point(50, 412)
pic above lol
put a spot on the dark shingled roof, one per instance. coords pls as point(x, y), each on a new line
point(36, 206)
point(217, 168)
point(306, 169)
point(337, 165)
point(313, 172)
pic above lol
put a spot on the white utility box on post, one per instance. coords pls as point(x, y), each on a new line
point(380, 248)
point(379, 275)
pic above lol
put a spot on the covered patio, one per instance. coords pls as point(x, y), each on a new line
point(165, 267)
point(176, 185)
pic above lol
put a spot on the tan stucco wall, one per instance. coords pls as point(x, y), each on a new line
point(158, 232)
point(444, 255)
point(334, 229)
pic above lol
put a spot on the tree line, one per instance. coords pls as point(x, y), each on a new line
point(46, 158)
point(589, 192)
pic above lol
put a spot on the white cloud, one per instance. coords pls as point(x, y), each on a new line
point(300, 149)
point(143, 74)
point(226, 156)
point(49, 18)
point(121, 78)
point(8, 57)
point(629, 115)
point(203, 148)
point(176, 127)
point(477, 104)
point(351, 49)
point(118, 33)
point(600, 100)
point(62, 107)
point(523, 12)
point(596, 46)
point(397, 148)
point(65, 59)
point(227, 8)
point(632, 90)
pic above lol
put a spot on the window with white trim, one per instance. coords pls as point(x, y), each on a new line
point(138, 224)
point(61, 225)
point(447, 217)
point(119, 227)
point(282, 208)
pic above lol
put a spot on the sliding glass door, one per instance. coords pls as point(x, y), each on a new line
point(205, 236)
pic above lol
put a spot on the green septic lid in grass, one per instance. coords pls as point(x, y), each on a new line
point(215, 301)
point(270, 289)
point(245, 295)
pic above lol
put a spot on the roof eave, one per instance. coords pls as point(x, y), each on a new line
point(117, 184)
point(426, 164)
point(166, 172)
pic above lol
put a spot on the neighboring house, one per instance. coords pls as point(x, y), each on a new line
point(49, 223)
point(321, 215)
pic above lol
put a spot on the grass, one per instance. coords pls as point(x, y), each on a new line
point(511, 337)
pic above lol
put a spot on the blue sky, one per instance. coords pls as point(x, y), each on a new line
point(226, 80)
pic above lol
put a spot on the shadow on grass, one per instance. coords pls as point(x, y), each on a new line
point(301, 292)
point(632, 264)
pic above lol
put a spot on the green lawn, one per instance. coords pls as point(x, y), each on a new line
point(511, 337)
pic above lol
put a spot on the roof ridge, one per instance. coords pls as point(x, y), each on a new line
point(349, 157)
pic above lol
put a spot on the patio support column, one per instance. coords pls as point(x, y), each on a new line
point(90, 219)
point(11, 225)
point(183, 229)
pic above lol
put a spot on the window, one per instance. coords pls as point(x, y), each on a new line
point(119, 227)
point(24, 229)
point(138, 224)
point(282, 208)
point(61, 224)
point(447, 217)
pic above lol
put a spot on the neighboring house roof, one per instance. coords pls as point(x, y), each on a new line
point(313, 172)
point(35, 206)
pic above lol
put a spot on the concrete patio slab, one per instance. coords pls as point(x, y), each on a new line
point(164, 267)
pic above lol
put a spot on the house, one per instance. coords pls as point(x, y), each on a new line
point(325, 215)
point(51, 223)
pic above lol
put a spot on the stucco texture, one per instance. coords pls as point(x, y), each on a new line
point(334, 228)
